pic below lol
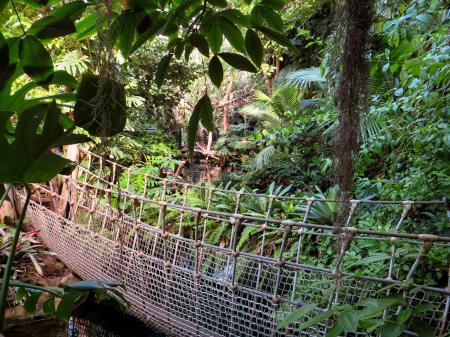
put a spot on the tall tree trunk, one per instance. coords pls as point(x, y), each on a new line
point(227, 99)
point(351, 93)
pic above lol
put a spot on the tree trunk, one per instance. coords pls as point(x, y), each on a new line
point(351, 95)
point(73, 153)
point(227, 99)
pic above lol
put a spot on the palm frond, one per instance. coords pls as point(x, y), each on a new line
point(303, 78)
point(263, 158)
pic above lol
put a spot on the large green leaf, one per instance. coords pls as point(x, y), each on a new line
point(67, 304)
point(275, 36)
point(218, 3)
point(100, 106)
point(316, 319)
point(348, 321)
point(163, 68)
point(214, 36)
point(127, 24)
point(232, 34)
point(296, 315)
point(275, 4)
point(31, 302)
point(254, 47)
point(36, 60)
point(238, 61)
point(6, 69)
point(391, 329)
point(29, 159)
point(272, 18)
point(192, 130)
point(215, 71)
point(199, 42)
point(3, 4)
point(59, 22)
point(203, 111)
point(206, 112)
point(61, 77)
point(86, 27)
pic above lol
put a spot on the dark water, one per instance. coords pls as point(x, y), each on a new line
point(90, 320)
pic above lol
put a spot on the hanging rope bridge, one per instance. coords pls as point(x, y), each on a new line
point(200, 260)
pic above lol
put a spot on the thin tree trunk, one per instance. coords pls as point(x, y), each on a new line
point(73, 153)
point(227, 99)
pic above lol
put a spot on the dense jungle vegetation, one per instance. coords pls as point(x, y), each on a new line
point(245, 95)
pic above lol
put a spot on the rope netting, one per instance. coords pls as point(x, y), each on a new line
point(199, 260)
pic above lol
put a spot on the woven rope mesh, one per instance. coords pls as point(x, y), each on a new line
point(194, 268)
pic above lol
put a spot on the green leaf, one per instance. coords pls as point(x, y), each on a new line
point(67, 304)
point(192, 130)
point(199, 42)
point(215, 37)
point(163, 68)
point(49, 306)
point(59, 22)
point(86, 27)
point(254, 47)
point(274, 4)
point(37, 3)
point(422, 328)
point(334, 331)
point(36, 60)
point(105, 116)
point(238, 61)
point(273, 19)
point(215, 71)
point(179, 50)
point(6, 69)
point(3, 4)
point(348, 321)
point(375, 307)
point(371, 259)
point(61, 77)
point(159, 24)
point(296, 315)
point(256, 17)
point(218, 3)
point(424, 307)
point(206, 112)
point(403, 316)
point(232, 34)
point(188, 48)
point(390, 329)
point(20, 294)
point(127, 24)
point(275, 36)
point(31, 302)
point(50, 27)
point(317, 319)
point(29, 158)
point(203, 112)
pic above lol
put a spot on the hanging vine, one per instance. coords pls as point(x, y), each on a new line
point(351, 93)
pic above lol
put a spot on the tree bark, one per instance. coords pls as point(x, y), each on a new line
point(351, 93)
point(227, 99)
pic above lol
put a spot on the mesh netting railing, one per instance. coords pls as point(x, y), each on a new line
point(199, 260)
